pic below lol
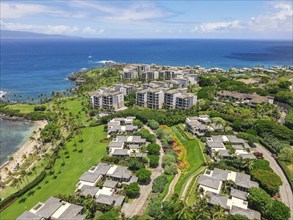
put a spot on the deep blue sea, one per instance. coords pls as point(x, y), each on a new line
point(30, 67)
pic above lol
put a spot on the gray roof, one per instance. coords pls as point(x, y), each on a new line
point(220, 174)
point(247, 156)
point(195, 123)
point(120, 152)
point(105, 199)
point(130, 127)
point(89, 190)
point(217, 138)
point(216, 199)
point(49, 207)
point(134, 146)
point(243, 180)
point(116, 144)
point(121, 172)
point(133, 179)
point(72, 212)
point(249, 213)
point(234, 139)
point(209, 181)
point(110, 184)
point(102, 169)
point(212, 144)
point(118, 200)
point(237, 146)
point(225, 153)
point(28, 216)
point(239, 194)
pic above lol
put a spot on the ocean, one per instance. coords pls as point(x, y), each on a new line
point(13, 134)
point(30, 67)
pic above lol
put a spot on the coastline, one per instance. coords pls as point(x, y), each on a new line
point(26, 148)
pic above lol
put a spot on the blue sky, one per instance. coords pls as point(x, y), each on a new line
point(248, 19)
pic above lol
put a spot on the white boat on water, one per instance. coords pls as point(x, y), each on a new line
point(90, 57)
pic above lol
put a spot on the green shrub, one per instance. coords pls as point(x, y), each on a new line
point(159, 184)
point(268, 180)
point(153, 149)
point(154, 160)
point(143, 175)
point(132, 190)
point(40, 108)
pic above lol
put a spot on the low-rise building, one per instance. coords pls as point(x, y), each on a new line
point(121, 125)
point(249, 99)
point(126, 89)
point(111, 175)
point(127, 146)
point(129, 75)
point(212, 182)
point(217, 147)
point(53, 208)
point(149, 76)
point(141, 98)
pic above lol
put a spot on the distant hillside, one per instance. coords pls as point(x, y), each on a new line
point(6, 34)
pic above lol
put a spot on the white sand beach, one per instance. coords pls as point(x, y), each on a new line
point(27, 148)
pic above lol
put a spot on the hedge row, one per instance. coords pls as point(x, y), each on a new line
point(7, 201)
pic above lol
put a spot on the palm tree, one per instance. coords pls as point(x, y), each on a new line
point(218, 212)
point(15, 183)
point(183, 211)
point(12, 159)
point(23, 174)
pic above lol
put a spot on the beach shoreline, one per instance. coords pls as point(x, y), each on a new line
point(26, 148)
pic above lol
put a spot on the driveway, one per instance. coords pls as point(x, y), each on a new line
point(138, 205)
point(285, 189)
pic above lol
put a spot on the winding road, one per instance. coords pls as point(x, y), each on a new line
point(285, 189)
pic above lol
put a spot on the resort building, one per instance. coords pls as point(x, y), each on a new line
point(155, 98)
point(158, 98)
point(185, 101)
point(166, 75)
point(228, 146)
point(245, 98)
point(129, 75)
point(199, 125)
point(53, 208)
point(149, 76)
point(126, 89)
point(121, 125)
point(212, 183)
point(141, 98)
point(127, 146)
point(107, 99)
point(110, 176)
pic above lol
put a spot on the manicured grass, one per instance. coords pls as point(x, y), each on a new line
point(194, 157)
point(23, 108)
point(66, 180)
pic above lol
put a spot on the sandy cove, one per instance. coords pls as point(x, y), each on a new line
point(27, 148)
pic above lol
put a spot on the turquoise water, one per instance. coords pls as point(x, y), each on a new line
point(13, 134)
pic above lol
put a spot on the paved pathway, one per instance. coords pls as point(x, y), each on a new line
point(172, 185)
point(189, 181)
point(138, 205)
point(285, 189)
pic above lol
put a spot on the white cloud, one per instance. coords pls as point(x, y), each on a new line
point(19, 10)
point(14, 10)
point(46, 29)
point(137, 11)
point(91, 31)
point(279, 20)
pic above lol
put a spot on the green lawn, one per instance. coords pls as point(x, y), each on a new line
point(288, 168)
point(194, 157)
point(23, 108)
point(65, 182)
